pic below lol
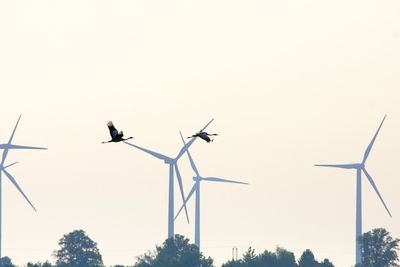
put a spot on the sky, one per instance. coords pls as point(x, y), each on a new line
point(289, 83)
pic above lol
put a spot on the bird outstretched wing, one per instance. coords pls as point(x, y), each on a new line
point(113, 131)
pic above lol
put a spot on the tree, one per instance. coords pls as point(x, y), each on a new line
point(268, 258)
point(175, 252)
point(233, 263)
point(378, 249)
point(39, 264)
point(250, 258)
point(285, 258)
point(326, 263)
point(307, 259)
point(280, 258)
point(78, 250)
point(6, 262)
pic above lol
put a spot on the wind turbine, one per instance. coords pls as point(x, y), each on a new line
point(173, 166)
point(6, 148)
point(360, 167)
point(196, 189)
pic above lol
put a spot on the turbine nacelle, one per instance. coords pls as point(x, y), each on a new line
point(170, 161)
point(197, 179)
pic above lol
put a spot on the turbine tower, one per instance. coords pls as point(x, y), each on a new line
point(173, 166)
point(196, 189)
point(6, 148)
point(360, 167)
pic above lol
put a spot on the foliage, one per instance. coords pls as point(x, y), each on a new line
point(307, 259)
point(175, 252)
point(78, 250)
point(280, 258)
point(39, 264)
point(378, 249)
point(285, 258)
point(326, 263)
point(6, 262)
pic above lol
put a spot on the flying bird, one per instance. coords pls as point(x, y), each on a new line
point(204, 135)
point(115, 135)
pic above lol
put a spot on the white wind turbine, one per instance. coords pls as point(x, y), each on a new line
point(360, 167)
point(196, 188)
point(6, 148)
point(173, 166)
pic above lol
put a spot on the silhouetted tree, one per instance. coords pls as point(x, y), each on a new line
point(378, 249)
point(326, 263)
point(307, 259)
point(268, 258)
point(280, 258)
point(285, 258)
point(175, 252)
point(78, 250)
point(250, 258)
point(39, 264)
point(6, 262)
point(233, 263)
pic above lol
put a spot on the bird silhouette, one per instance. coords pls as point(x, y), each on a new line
point(204, 135)
point(115, 135)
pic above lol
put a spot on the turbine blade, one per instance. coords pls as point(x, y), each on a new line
point(342, 166)
point(187, 199)
point(185, 147)
point(215, 179)
point(368, 150)
point(371, 181)
point(10, 146)
point(15, 128)
point(154, 154)
point(206, 125)
point(12, 179)
point(196, 171)
point(10, 165)
point(178, 176)
point(5, 152)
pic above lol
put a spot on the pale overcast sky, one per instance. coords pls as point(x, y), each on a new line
point(290, 83)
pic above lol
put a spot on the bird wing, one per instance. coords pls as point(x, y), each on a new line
point(113, 131)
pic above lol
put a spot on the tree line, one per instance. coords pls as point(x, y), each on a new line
point(76, 249)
